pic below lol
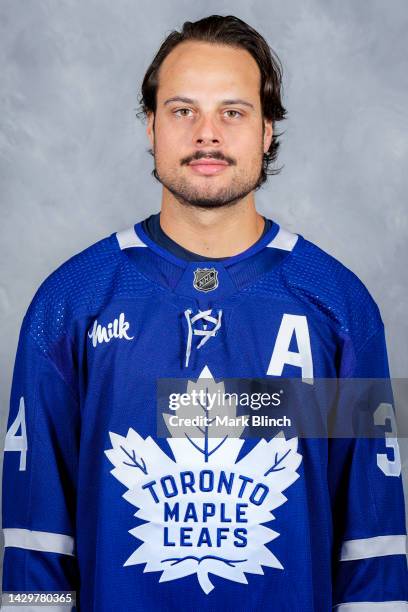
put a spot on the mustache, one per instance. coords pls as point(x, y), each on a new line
point(207, 155)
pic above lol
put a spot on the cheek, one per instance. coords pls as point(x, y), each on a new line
point(168, 156)
point(247, 143)
point(171, 144)
point(250, 153)
point(169, 130)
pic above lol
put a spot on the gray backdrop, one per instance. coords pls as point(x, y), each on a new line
point(73, 160)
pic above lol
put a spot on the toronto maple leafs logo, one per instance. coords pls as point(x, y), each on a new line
point(205, 510)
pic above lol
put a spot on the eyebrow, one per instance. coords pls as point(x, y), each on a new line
point(223, 102)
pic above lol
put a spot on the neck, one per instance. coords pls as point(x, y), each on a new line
point(218, 232)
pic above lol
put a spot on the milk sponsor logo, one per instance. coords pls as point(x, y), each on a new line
point(105, 333)
point(205, 511)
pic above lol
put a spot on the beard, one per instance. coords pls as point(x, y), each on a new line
point(188, 194)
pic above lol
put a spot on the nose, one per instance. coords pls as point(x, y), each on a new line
point(207, 133)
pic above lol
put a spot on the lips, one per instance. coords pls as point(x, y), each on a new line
point(208, 166)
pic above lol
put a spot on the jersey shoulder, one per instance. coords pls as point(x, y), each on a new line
point(80, 287)
point(332, 290)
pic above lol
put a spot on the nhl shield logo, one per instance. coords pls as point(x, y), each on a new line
point(205, 279)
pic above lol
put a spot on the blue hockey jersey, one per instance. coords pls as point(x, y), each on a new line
point(94, 501)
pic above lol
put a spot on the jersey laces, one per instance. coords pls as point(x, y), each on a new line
point(206, 317)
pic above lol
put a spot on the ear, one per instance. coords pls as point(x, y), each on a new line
point(267, 135)
point(150, 127)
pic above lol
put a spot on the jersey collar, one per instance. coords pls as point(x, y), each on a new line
point(183, 277)
point(258, 246)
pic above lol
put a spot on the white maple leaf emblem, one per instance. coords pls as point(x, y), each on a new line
point(205, 511)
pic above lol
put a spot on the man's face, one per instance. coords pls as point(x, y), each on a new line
point(209, 110)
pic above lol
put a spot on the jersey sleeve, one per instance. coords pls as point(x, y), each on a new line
point(40, 474)
point(368, 508)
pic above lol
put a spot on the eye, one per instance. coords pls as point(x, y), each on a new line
point(234, 111)
point(181, 110)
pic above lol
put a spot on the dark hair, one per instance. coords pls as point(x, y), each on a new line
point(226, 30)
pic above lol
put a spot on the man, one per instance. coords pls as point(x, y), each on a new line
point(95, 501)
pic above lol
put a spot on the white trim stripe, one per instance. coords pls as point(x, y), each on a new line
point(128, 238)
point(371, 606)
point(39, 540)
point(283, 240)
point(379, 546)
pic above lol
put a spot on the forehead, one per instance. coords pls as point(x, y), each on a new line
point(193, 68)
